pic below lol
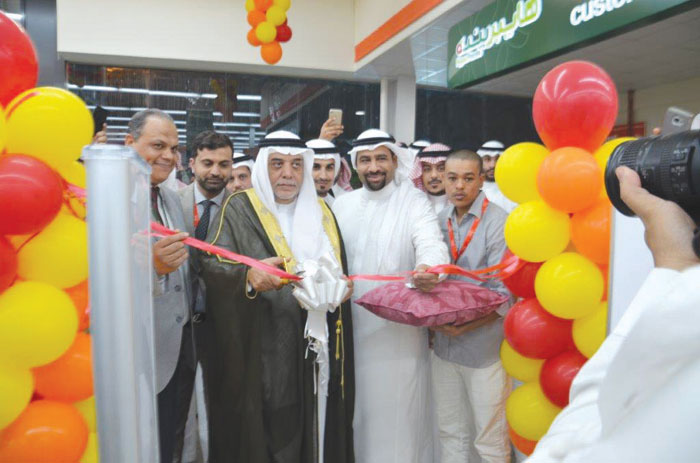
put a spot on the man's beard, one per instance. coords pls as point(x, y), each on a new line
point(490, 175)
point(376, 186)
point(211, 188)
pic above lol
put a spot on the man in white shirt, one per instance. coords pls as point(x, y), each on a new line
point(389, 227)
point(428, 172)
point(636, 398)
point(490, 152)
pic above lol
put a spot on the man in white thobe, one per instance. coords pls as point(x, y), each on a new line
point(326, 169)
point(490, 152)
point(636, 399)
point(427, 174)
point(389, 227)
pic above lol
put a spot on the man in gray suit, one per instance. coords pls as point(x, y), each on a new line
point(211, 163)
point(153, 135)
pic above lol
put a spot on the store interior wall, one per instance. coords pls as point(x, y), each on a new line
point(207, 35)
point(650, 104)
point(40, 23)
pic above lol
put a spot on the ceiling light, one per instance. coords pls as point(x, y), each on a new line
point(359, 113)
point(116, 118)
point(174, 111)
point(235, 124)
point(18, 17)
point(238, 114)
point(249, 97)
point(117, 108)
point(168, 93)
point(133, 90)
point(210, 96)
point(114, 127)
point(99, 88)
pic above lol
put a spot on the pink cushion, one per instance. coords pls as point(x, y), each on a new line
point(451, 301)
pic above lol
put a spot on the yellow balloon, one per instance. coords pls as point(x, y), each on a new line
point(91, 454)
point(535, 232)
point(518, 366)
point(3, 130)
point(284, 4)
point(276, 15)
point(516, 171)
point(50, 124)
point(569, 286)
point(249, 5)
point(87, 410)
point(16, 387)
point(589, 331)
point(74, 173)
point(266, 32)
point(529, 412)
point(58, 255)
point(38, 323)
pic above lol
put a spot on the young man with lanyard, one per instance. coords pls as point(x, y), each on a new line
point(469, 383)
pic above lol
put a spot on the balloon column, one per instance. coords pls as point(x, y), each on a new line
point(268, 19)
point(562, 229)
point(47, 411)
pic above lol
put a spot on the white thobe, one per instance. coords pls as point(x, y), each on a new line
point(636, 398)
point(493, 193)
point(385, 232)
point(438, 202)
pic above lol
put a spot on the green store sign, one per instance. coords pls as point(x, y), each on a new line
point(509, 34)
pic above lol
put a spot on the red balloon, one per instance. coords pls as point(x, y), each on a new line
point(284, 33)
point(19, 68)
point(46, 431)
point(558, 373)
point(522, 282)
point(575, 104)
point(68, 378)
point(534, 332)
point(31, 194)
point(525, 446)
point(8, 264)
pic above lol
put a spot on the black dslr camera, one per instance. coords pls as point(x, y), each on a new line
point(669, 167)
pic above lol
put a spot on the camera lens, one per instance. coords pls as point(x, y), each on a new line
point(669, 167)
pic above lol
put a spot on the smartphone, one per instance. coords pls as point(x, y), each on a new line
point(676, 120)
point(336, 115)
point(99, 117)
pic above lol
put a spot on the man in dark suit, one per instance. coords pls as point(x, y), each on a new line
point(153, 135)
point(211, 163)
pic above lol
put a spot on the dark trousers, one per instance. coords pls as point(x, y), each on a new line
point(174, 402)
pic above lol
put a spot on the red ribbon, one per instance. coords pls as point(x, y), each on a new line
point(500, 271)
point(160, 230)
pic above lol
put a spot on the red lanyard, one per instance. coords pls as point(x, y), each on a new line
point(467, 239)
point(196, 215)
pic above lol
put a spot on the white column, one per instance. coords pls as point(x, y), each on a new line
point(397, 110)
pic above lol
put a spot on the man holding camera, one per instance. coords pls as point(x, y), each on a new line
point(635, 399)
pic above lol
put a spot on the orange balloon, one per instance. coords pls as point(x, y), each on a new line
point(80, 296)
point(255, 17)
point(525, 446)
point(69, 378)
point(253, 39)
point(569, 179)
point(262, 5)
point(46, 431)
point(590, 232)
point(271, 52)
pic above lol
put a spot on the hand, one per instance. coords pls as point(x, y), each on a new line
point(351, 286)
point(169, 253)
point(424, 281)
point(668, 229)
point(101, 136)
point(452, 330)
point(261, 281)
point(330, 130)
